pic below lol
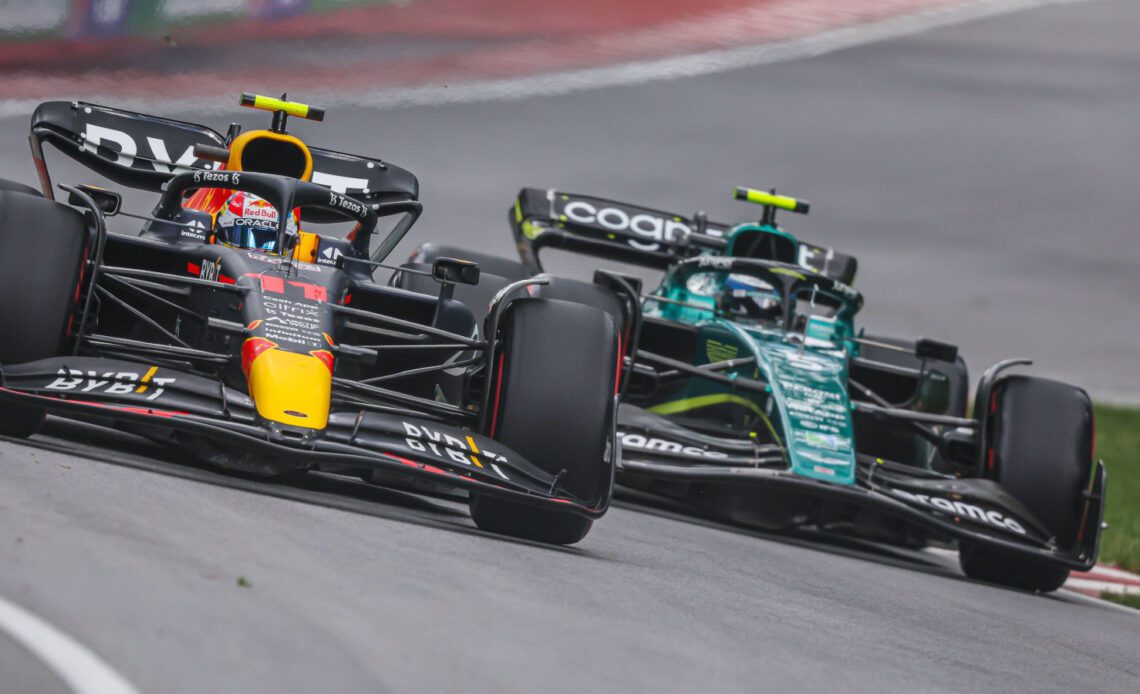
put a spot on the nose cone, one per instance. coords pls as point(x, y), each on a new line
point(287, 387)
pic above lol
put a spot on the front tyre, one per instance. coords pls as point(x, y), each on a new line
point(986, 565)
point(553, 402)
point(1040, 439)
point(42, 250)
point(505, 517)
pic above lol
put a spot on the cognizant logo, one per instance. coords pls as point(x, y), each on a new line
point(643, 224)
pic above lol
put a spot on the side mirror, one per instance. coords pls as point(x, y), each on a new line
point(108, 200)
point(212, 153)
point(926, 348)
point(455, 271)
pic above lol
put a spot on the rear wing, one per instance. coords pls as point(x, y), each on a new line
point(633, 234)
point(144, 152)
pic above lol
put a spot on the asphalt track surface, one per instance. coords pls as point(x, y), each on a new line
point(985, 175)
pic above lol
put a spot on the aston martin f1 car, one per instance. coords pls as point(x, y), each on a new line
point(228, 327)
point(750, 394)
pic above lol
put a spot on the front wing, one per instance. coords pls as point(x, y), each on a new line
point(357, 437)
point(973, 511)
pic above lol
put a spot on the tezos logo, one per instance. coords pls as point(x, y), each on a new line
point(346, 203)
point(227, 177)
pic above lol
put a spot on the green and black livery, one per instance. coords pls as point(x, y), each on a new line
point(787, 414)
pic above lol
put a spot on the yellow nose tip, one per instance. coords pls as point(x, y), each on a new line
point(291, 388)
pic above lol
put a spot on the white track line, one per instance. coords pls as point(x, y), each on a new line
point(624, 74)
point(70, 660)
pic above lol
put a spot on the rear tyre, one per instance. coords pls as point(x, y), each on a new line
point(1040, 437)
point(553, 403)
point(41, 257)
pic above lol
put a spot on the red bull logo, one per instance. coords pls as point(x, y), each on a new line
point(259, 209)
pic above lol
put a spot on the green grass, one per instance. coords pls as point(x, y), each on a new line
point(1132, 600)
point(1118, 444)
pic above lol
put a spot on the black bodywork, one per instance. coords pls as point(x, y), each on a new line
point(920, 465)
point(165, 323)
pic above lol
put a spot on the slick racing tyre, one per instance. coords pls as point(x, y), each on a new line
point(41, 258)
point(588, 294)
point(553, 403)
point(1040, 440)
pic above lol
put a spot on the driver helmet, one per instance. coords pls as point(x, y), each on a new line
point(746, 296)
point(250, 222)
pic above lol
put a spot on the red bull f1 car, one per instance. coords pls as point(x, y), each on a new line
point(229, 327)
point(750, 395)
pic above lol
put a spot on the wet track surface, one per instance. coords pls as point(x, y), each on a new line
point(985, 177)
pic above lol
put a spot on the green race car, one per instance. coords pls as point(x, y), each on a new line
point(750, 393)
